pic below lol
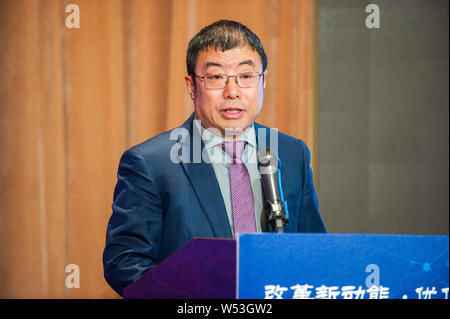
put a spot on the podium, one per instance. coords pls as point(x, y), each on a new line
point(202, 269)
point(302, 266)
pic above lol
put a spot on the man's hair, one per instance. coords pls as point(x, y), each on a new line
point(223, 35)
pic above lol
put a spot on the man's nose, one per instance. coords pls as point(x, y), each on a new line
point(231, 90)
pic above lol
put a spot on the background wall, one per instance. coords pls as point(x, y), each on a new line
point(72, 100)
point(383, 123)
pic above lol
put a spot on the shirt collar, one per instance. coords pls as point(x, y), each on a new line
point(210, 139)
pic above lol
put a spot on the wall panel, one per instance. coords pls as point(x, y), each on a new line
point(72, 100)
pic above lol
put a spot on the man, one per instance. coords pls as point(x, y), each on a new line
point(177, 185)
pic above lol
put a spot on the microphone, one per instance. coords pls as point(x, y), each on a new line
point(276, 209)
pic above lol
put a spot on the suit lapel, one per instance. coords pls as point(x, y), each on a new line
point(205, 185)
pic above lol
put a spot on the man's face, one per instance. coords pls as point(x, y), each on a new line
point(232, 107)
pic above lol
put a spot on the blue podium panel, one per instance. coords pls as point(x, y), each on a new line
point(342, 266)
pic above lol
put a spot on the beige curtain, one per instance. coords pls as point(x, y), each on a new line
point(72, 100)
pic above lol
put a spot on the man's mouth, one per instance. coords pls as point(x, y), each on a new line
point(232, 110)
point(231, 113)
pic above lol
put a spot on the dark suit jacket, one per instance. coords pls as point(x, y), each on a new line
point(160, 205)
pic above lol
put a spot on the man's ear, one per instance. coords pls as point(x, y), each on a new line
point(190, 85)
point(265, 77)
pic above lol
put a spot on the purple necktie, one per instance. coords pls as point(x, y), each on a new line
point(241, 190)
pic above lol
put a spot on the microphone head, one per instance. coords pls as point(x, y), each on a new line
point(268, 162)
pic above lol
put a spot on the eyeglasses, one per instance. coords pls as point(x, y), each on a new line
point(220, 81)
